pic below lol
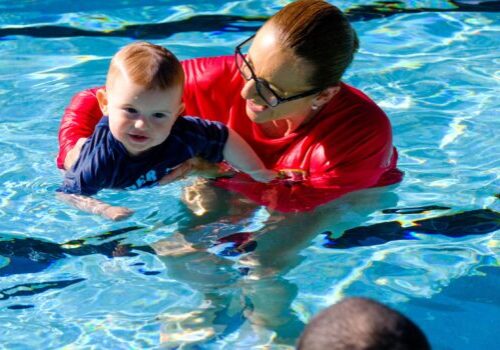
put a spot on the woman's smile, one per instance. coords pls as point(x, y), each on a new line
point(256, 108)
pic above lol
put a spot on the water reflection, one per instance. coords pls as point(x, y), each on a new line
point(475, 222)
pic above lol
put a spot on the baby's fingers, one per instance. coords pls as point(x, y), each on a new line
point(117, 213)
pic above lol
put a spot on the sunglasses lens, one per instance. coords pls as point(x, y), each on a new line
point(267, 95)
point(246, 71)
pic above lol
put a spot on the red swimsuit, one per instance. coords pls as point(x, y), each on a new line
point(346, 147)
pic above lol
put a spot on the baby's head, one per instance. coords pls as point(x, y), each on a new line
point(362, 324)
point(143, 95)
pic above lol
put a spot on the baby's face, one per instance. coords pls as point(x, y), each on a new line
point(140, 118)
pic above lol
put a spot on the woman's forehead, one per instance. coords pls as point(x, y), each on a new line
point(277, 64)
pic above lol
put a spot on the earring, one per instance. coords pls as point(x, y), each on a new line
point(314, 107)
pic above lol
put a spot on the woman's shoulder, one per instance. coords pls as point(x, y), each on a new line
point(356, 97)
point(348, 121)
point(352, 106)
point(208, 67)
point(211, 86)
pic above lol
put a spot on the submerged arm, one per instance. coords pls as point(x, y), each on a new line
point(95, 206)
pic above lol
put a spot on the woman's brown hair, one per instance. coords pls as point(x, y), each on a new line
point(319, 33)
point(148, 65)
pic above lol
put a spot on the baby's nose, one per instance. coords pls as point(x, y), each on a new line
point(140, 122)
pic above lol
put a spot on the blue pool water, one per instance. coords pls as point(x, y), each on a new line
point(252, 278)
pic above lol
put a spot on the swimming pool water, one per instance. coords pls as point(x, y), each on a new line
point(72, 280)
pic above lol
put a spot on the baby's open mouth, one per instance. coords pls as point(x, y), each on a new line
point(138, 138)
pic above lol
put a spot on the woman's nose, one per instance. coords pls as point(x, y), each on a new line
point(249, 90)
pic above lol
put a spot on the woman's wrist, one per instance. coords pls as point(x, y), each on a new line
point(263, 175)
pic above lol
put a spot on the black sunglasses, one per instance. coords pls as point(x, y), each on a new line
point(270, 97)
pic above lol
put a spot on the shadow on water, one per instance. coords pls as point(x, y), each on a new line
point(26, 255)
point(475, 222)
point(27, 289)
point(227, 23)
point(383, 9)
point(31, 255)
point(414, 210)
point(239, 274)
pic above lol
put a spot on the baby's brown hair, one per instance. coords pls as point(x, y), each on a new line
point(148, 65)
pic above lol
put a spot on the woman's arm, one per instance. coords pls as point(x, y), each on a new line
point(74, 153)
point(78, 122)
point(299, 191)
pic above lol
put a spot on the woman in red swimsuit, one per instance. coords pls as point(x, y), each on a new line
point(282, 92)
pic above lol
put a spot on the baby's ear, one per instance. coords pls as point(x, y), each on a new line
point(182, 107)
point(102, 98)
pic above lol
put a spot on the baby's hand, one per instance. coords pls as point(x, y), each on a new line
point(265, 175)
point(117, 213)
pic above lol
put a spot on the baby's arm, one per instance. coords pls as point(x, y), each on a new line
point(95, 206)
point(238, 153)
point(86, 178)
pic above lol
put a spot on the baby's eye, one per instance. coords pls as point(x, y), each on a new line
point(159, 115)
point(130, 110)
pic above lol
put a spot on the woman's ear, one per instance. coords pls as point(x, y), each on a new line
point(325, 96)
point(102, 98)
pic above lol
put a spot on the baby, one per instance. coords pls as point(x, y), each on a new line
point(142, 138)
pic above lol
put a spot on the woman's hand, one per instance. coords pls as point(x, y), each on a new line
point(264, 175)
point(198, 167)
point(74, 153)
